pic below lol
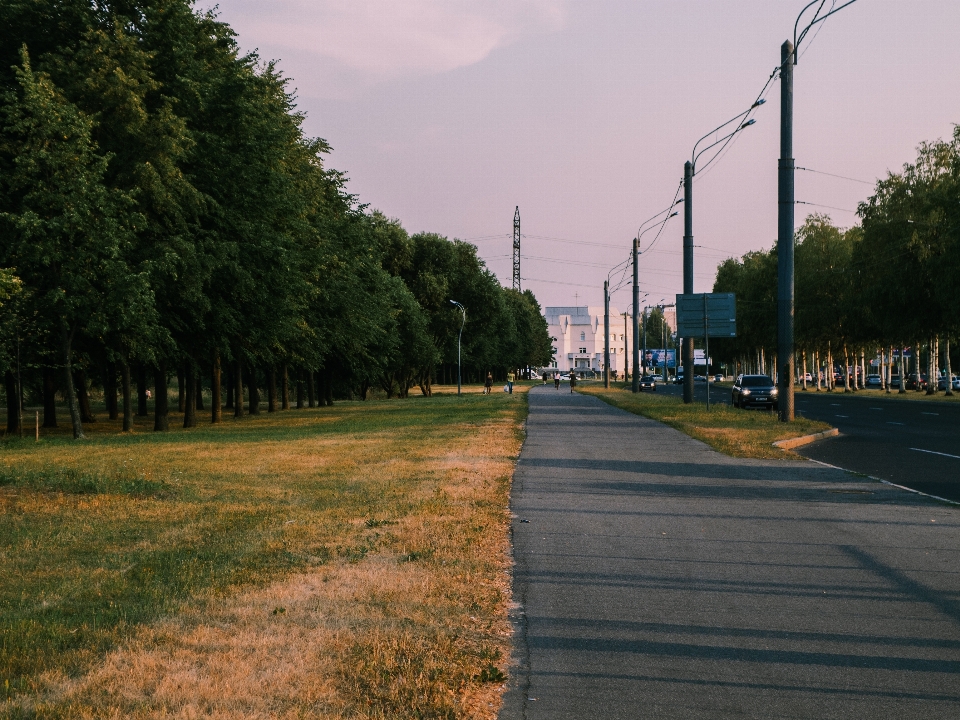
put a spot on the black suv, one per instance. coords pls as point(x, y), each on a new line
point(754, 390)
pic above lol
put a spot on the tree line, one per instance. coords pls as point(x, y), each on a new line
point(887, 288)
point(163, 213)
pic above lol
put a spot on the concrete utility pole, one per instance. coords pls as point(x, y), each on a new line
point(606, 333)
point(643, 329)
point(626, 351)
point(516, 250)
point(785, 219)
point(687, 348)
point(636, 315)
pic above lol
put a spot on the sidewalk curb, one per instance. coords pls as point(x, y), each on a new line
point(791, 443)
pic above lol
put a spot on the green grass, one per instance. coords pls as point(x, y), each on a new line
point(101, 538)
point(740, 433)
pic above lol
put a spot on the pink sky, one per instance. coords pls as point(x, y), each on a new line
point(448, 114)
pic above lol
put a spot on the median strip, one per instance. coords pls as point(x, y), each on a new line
point(791, 443)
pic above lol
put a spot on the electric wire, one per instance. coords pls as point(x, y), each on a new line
point(842, 177)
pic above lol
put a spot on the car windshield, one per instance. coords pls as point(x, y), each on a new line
point(756, 381)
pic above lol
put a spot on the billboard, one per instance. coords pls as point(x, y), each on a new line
point(714, 312)
point(656, 357)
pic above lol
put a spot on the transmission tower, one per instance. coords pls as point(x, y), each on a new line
point(516, 250)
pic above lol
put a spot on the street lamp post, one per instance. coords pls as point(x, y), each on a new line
point(785, 214)
point(463, 311)
point(689, 171)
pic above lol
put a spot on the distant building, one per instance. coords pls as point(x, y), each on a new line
point(579, 337)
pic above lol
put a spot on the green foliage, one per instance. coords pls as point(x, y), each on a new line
point(164, 207)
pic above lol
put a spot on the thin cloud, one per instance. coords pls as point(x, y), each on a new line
point(363, 42)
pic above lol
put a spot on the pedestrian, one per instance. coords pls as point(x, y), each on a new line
point(488, 384)
point(573, 380)
point(510, 378)
point(544, 377)
point(556, 379)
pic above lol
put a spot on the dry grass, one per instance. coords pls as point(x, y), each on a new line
point(740, 433)
point(340, 562)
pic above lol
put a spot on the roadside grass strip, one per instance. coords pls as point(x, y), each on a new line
point(739, 433)
point(347, 561)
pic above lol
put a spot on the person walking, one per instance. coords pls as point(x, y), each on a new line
point(488, 384)
point(573, 380)
point(556, 379)
point(510, 378)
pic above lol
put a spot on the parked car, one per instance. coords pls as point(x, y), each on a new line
point(916, 383)
point(874, 381)
point(753, 390)
point(942, 382)
point(648, 382)
point(894, 382)
point(808, 377)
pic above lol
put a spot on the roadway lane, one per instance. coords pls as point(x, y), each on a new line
point(913, 443)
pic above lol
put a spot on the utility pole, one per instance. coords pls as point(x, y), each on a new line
point(636, 315)
point(626, 350)
point(516, 250)
point(687, 350)
point(606, 333)
point(643, 362)
point(785, 219)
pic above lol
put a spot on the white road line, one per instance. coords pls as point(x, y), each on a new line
point(843, 416)
point(926, 413)
point(887, 482)
point(891, 422)
point(835, 404)
point(876, 408)
point(934, 452)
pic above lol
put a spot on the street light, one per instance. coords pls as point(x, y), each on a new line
point(786, 201)
point(459, 338)
point(689, 170)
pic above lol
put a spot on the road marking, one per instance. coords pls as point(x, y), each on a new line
point(934, 452)
point(876, 408)
point(835, 404)
point(926, 413)
point(887, 482)
point(891, 422)
point(843, 416)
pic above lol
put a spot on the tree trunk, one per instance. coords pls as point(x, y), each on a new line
point(71, 392)
point(13, 404)
point(199, 392)
point(161, 401)
point(228, 405)
point(238, 389)
point(889, 368)
point(903, 371)
point(181, 406)
point(141, 390)
point(271, 389)
point(216, 411)
point(300, 399)
point(49, 398)
point(83, 397)
point(846, 369)
point(189, 394)
point(932, 370)
point(127, 393)
point(311, 394)
point(946, 365)
point(284, 388)
point(110, 389)
point(253, 405)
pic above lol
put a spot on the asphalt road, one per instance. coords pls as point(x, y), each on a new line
point(657, 578)
point(912, 443)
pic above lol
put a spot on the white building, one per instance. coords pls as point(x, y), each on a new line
point(579, 337)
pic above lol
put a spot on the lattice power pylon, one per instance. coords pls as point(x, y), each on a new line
point(516, 250)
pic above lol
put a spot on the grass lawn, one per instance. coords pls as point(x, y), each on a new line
point(349, 561)
point(740, 433)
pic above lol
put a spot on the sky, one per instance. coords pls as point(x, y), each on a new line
point(447, 114)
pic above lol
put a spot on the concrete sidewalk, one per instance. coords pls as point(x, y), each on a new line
point(656, 578)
